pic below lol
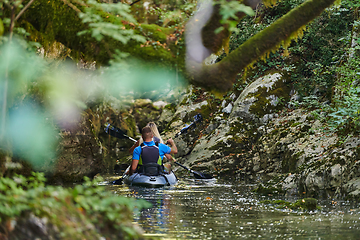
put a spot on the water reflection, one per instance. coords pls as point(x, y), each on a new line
point(158, 218)
point(216, 210)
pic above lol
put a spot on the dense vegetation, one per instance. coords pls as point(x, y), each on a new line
point(322, 65)
point(83, 212)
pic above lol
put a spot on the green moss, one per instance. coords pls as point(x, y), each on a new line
point(50, 17)
point(306, 204)
point(242, 138)
point(171, 107)
point(265, 190)
point(174, 119)
point(281, 32)
point(266, 201)
point(205, 111)
point(309, 204)
point(278, 178)
point(290, 122)
point(260, 108)
point(129, 124)
point(156, 32)
point(263, 105)
point(183, 102)
point(1, 28)
point(274, 132)
point(284, 133)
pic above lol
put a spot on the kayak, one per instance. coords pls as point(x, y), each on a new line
point(139, 179)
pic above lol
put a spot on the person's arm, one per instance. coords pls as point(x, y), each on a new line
point(172, 146)
point(170, 158)
point(135, 160)
point(134, 146)
point(133, 167)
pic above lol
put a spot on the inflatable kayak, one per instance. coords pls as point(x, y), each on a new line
point(139, 179)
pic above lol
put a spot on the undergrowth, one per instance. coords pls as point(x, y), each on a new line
point(86, 211)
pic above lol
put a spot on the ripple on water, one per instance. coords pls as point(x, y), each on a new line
point(195, 209)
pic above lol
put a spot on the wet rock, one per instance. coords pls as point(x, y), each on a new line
point(228, 108)
point(352, 188)
point(160, 104)
point(289, 185)
point(314, 182)
point(309, 204)
point(184, 109)
point(335, 176)
point(211, 127)
point(261, 97)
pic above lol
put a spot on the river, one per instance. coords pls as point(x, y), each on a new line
point(199, 209)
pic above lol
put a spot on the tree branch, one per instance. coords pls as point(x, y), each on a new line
point(222, 75)
point(23, 10)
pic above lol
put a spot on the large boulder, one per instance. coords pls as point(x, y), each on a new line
point(232, 127)
point(262, 98)
point(255, 138)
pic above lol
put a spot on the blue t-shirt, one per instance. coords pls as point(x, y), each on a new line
point(163, 149)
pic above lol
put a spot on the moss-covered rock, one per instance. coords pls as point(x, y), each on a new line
point(264, 96)
point(305, 204)
point(267, 190)
point(309, 204)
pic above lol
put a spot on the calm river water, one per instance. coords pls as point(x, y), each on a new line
point(195, 209)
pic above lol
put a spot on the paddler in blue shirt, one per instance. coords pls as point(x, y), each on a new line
point(149, 152)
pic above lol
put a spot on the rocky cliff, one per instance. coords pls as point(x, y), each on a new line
point(253, 136)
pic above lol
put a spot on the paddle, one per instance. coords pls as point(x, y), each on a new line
point(197, 175)
point(116, 132)
point(197, 118)
point(120, 181)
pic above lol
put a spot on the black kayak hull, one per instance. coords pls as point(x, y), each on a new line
point(138, 179)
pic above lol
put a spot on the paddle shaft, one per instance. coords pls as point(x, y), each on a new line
point(183, 166)
point(198, 117)
point(118, 133)
point(196, 174)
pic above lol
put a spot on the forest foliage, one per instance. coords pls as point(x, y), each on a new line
point(322, 65)
point(94, 212)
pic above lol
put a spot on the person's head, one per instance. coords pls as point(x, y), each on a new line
point(154, 130)
point(147, 134)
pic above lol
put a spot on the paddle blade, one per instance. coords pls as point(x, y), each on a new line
point(197, 118)
point(199, 175)
point(114, 131)
point(119, 181)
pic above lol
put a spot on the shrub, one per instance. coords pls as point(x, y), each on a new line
point(84, 212)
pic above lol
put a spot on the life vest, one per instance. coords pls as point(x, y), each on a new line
point(150, 162)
